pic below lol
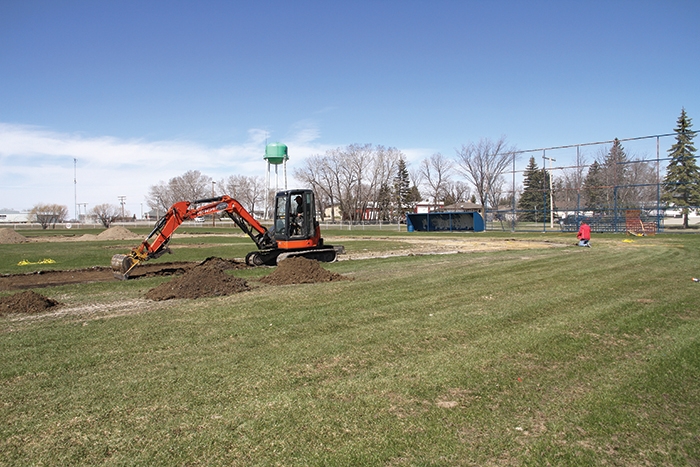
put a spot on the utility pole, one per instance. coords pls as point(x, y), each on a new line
point(122, 201)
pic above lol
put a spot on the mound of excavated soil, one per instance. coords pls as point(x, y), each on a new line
point(208, 279)
point(117, 233)
point(26, 302)
point(9, 236)
point(299, 270)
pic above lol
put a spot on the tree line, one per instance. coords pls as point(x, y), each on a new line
point(362, 182)
point(614, 181)
point(373, 182)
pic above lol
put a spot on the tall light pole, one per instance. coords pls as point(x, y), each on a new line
point(75, 188)
point(551, 195)
point(213, 216)
point(512, 225)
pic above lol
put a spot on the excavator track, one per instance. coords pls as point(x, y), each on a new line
point(328, 254)
point(261, 258)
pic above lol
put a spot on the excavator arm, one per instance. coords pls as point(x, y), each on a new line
point(156, 243)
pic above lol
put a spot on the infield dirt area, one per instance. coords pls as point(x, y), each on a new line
point(406, 246)
point(212, 277)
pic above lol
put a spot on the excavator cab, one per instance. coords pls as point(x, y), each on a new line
point(295, 216)
point(295, 231)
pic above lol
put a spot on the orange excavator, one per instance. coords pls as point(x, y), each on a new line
point(295, 231)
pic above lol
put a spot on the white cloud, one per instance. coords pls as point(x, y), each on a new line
point(415, 155)
point(37, 165)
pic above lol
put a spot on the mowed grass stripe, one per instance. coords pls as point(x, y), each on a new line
point(529, 357)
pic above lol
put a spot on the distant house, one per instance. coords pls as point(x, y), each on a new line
point(464, 206)
point(9, 216)
point(422, 207)
point(152, 214)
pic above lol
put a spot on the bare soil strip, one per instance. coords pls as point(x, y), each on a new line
point(41, 279)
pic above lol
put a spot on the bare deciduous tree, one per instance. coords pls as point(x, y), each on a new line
point(456, 192)
point(569, 185)
point(190, 186)
point(355, 171)
point(643, 178)
point(49, 214)
point(316, 174)
point(160, 197)
point(483, 165)
point(351, 177)
point(106, 213)
point(249, 191)
point(497, 193)
point(436, 171)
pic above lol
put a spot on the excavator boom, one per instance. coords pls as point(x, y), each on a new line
point(156, 243)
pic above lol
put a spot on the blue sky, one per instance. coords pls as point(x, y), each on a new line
point(139, 92)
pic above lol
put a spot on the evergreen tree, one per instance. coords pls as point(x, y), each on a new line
point(414, 196)
point(384, 202)
point(402, 190)
point(534, 202)
point(449, 199)
point(594, 189)
point(615, 176)
point(682, 181)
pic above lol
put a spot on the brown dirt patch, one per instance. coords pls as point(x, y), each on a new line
point(26, 302)
point(437, 245)
point(9, 236)
point(96, 274)
point(298, 270)
point(208, 279)
point(117, 233)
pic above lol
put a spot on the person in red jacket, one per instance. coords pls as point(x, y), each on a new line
point(584, 235)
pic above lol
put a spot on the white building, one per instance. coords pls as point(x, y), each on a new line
point(8, 216)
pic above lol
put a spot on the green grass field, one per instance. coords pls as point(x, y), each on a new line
point(558, 356)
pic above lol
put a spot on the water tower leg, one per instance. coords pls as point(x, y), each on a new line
point(285, 173)
point(267, 189)
point(277, 180)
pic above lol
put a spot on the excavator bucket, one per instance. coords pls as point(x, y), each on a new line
point(122, 266)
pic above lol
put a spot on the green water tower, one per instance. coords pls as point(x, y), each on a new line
point(276, 153)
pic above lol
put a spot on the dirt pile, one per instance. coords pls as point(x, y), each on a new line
point(9, 236)
point(117, 233)
point(208, 279)
point(299, 270)
point(26, 302)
